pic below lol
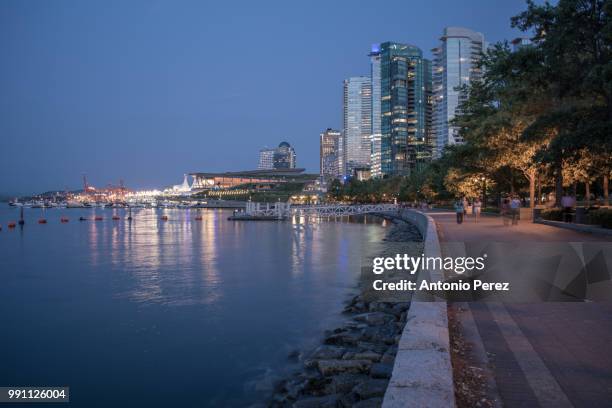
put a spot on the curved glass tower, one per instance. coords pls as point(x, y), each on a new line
point(455, 65)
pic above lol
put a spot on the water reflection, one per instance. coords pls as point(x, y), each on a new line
point(175, 296)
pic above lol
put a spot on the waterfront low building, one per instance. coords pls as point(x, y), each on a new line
point(232, 179)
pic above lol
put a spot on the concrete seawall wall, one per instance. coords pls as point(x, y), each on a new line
point(422, 374)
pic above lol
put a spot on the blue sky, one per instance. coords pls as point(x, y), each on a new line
point(148, 90)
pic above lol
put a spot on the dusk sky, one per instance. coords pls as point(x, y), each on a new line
point(148, 90)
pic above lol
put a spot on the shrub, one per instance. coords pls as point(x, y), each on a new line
point(552, 214)
point(601, 216)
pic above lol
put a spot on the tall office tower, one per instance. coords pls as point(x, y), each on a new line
point(266, 159)
point(375, 133)
point(455, 65)
point(329, 154)
point(284, 156)
point(403, 107)
point(357, 123)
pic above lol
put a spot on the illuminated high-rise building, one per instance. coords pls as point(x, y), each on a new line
point(375, 133)
point(266, 159)
point(455, 66)
point(329, 142)
point(405, 78)
point(357, 123)
point(284, 156)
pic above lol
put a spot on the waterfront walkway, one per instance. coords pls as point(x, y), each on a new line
point(548, 354)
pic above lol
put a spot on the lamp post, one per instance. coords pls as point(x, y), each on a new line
point(484, 191)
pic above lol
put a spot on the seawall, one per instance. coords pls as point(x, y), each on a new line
point(422, 373)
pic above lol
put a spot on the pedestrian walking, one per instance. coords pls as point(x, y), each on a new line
point(515, 207)
point(459, 210)
point(476, 206)
point(505, 210)
point(568, 203)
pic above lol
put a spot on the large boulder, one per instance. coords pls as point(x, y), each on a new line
point(331, 367)
point(375, 318)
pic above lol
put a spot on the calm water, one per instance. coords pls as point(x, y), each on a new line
point(175, 313)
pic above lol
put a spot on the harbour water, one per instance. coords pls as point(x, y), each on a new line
point(168, 313)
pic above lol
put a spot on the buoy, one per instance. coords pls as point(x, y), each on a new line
point(11, 224)
point(198, 218)
point(42, 221)
point(164, 218)
point(64, 220)
point(115, 217)
point(98, 218)
point(82, 219)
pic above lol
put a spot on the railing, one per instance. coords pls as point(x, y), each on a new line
point(282, 210)
point(330, 210)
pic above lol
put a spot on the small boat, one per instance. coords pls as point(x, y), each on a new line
point(98, 218)
point(116, 217)
point(64, 220)
point(198, 218)
point(82, 219)
point(12, 224)
point(164, 218)
point(42, 220)
point(38, 204)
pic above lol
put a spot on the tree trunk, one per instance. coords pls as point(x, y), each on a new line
point(558, 186)
point(587, 193)
point(532, 182)
point(605, 189)
point(539, 188)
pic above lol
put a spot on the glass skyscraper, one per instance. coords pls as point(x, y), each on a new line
point(405, 83)
point(455, 65)
point(357, 123)
point(375, 134)
point(329, 144)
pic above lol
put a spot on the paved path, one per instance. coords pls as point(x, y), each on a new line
point(549, 354)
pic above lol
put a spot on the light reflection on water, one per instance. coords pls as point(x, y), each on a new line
point(178, 312)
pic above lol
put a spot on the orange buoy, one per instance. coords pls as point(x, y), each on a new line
point(64, 220)
point(164, 218)
point(42, 221)
point(116, 217)
point(12, 224)
point(198, 218)
point(98, 218)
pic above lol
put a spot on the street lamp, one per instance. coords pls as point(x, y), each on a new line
point(484, 191)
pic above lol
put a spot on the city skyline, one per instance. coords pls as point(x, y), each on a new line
point(93, 104)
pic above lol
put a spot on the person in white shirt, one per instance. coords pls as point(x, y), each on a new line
point(476, 205)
